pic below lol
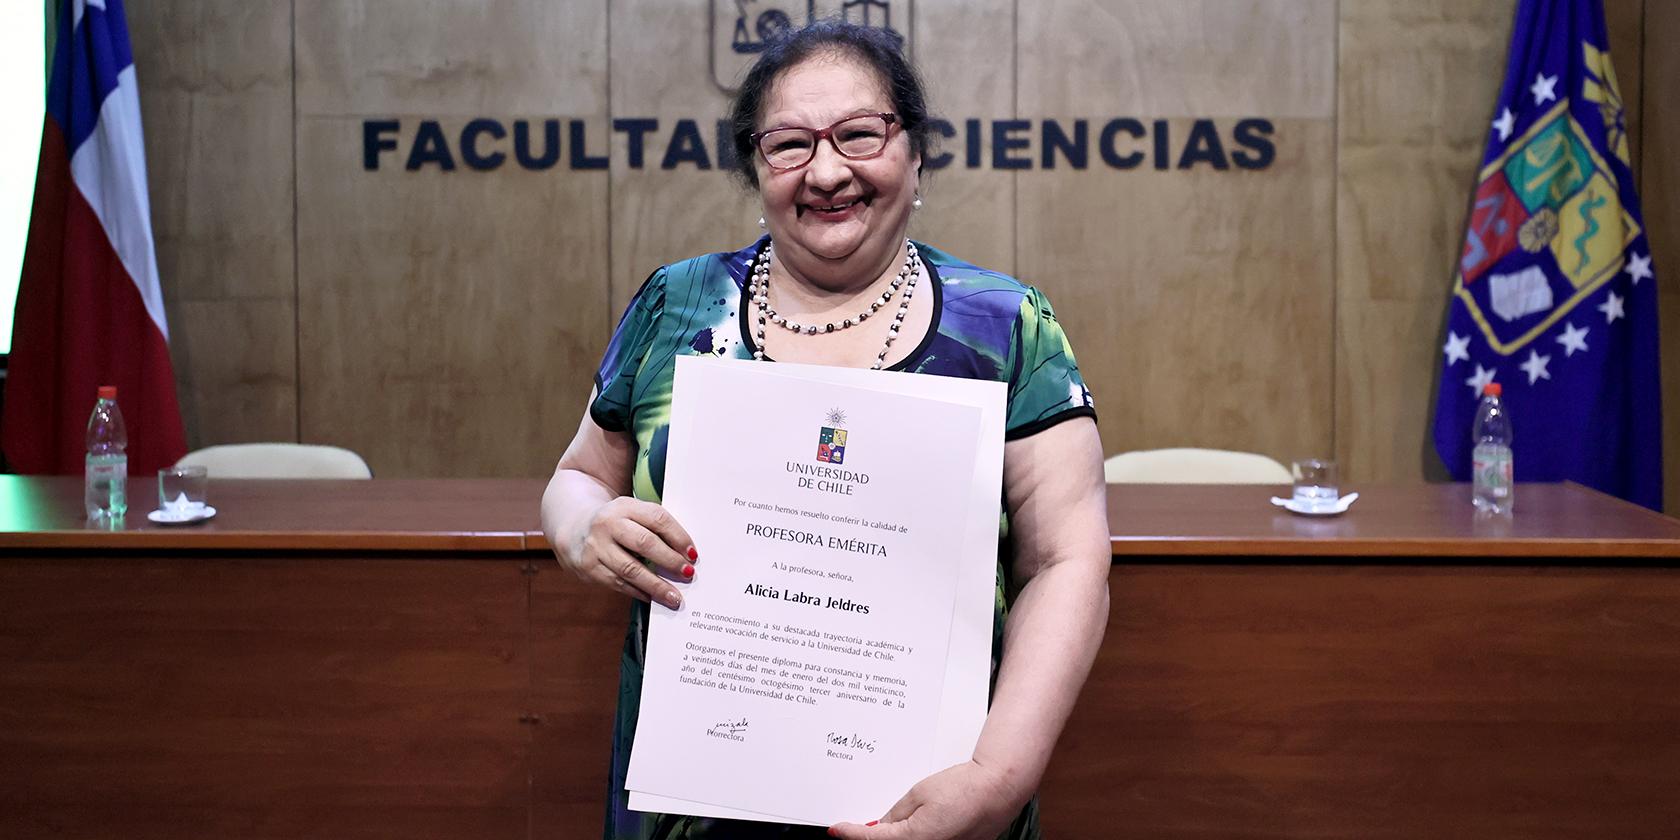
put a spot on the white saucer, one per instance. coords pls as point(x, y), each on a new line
point(1339, 506)
point(181, 516)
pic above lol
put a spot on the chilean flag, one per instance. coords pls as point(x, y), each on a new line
point(89, 308)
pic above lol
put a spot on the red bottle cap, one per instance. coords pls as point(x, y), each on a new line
point(1493, 389)
point(107, 392)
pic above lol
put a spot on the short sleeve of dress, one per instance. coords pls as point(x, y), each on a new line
point(1045, 387)
point(615, 379)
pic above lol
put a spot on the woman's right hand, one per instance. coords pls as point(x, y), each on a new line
point(634, 547)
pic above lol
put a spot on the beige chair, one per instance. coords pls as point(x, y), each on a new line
point(1193, 466)
point(277, 460)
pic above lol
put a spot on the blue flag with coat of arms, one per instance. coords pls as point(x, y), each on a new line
point(1554, 296)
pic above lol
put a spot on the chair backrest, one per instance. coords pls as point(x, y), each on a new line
point(277, 460)
point(1193, 466)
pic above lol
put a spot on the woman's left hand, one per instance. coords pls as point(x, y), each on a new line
point(964, 802)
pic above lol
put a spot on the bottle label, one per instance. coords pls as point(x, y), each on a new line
point(104, 471)
point(105, 489)
point(1492, 467)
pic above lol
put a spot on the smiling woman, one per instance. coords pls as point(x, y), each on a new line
point(22, 104)
point(831, 128)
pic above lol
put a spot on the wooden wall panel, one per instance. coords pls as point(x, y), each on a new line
point(1625, 20)
point(1417, 83)
point(1150, 58)
point(659, 64)
point(447, 314)
point(1661, 198)
point(1200, 302)
point(458, 57)
point(1274, 311)
point(959, 50)
point(216, 96)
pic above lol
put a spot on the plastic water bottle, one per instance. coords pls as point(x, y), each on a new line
point(1493, 488)
point(105, 482)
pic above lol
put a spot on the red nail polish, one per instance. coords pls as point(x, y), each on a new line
point(692, 554)
point(831, 832)
point(688, 570)
point(871, 823)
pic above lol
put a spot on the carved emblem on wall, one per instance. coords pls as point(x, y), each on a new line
point(740, 29)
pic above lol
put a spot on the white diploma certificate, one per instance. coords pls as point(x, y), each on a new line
point(834, 648)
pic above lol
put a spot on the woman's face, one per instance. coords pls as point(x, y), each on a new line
point(835, 213)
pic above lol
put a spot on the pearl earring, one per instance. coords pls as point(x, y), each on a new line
point(761, 222)
point(917, 204)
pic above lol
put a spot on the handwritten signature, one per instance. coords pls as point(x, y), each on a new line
point(731, 727)
point(852, 741)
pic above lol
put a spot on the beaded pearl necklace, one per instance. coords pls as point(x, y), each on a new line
point(759, 288)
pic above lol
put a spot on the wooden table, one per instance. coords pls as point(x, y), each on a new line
point(403, 659)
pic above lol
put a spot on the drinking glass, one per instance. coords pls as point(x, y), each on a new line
point(1315, 482)
point(183, 488)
